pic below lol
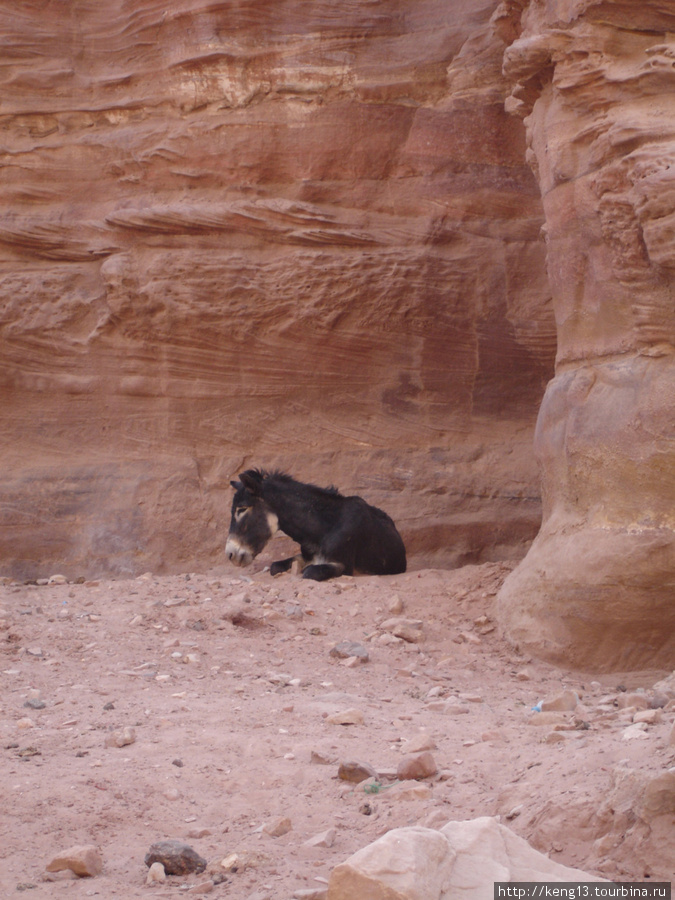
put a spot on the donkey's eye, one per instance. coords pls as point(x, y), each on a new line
point(240, 512)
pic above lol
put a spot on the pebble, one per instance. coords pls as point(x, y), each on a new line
point(469, 638)
point(177, 857)
point(648, 716)
point(635, 732)
point(409, 630)
point(447, 707)
point(349, 649)
point(122, 738)
point(203, 887)
point(84, 860)
point(355, 772)
point(638, 701)
point(554, 737)
point(565, 701)
point(35, 703)
point(324, 839)
point(57, 579)
point(156, 874)
point(346, 717)
point(395, 605)
point(310, 894)
point(546, 719)
point(278, 827)
point(409, 790)
point(320, 758)
point(414, 768)
point(420, 742)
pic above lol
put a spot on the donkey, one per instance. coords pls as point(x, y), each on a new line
point(337, 535)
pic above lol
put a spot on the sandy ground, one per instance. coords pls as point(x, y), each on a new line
point(227, 680)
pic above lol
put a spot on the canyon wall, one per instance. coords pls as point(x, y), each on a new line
point(595, 84)
point(293, 234)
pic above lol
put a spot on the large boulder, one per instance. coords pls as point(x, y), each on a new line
point(462, 859)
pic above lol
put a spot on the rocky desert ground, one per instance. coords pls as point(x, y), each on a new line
point(214, 708)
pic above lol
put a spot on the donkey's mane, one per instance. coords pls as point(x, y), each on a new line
point(283, 477)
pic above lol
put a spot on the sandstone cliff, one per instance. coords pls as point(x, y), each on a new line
point(288, 234)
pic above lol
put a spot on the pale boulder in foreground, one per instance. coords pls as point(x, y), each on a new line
point(463, 859)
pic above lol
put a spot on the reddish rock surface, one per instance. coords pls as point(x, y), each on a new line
point(268, 234)
point(595, 82)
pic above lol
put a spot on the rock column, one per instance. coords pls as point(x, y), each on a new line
point(595, 84)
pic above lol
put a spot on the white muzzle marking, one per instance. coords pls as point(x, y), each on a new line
point(237, 553)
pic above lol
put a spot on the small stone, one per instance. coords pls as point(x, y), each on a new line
point(420, 742)
point(346, 717)
point(203, 887)
point(278, 827)
point(395, 605)
point(546, 719)
point(84, 860)
point(523, 675)
point(565, 701)
point(449, 707)
point(469, 638)
point(178, 763)
point(319, 758)
point(156, 874)
point(25, 723)
point(554, 737)
point(347, 649)
point(172, 793)
point(324, 839)
point(352, 662)
point(409, 630)
point(177, 857)
point(57, 579)
point(636, 700)
point(355, 772)
point(414, 768)
point(635, 732)
point(122, 738)
point(409, 790)
point(648, 716)
point(310, 894)
point(35, 703)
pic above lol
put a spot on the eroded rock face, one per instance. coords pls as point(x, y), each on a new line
point(595, 82)
point(263, 234)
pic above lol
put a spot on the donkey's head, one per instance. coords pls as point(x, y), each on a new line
point(253, 523)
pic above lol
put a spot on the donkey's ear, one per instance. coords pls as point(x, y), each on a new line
point(237, 485)
point(252, 481)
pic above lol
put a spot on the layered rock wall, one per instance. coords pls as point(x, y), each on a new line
point(287, 234)
point(595, 82)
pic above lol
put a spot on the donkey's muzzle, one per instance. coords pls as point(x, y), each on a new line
point(237, 553)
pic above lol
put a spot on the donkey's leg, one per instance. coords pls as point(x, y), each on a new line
point(323, 571)
point(282, 565)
